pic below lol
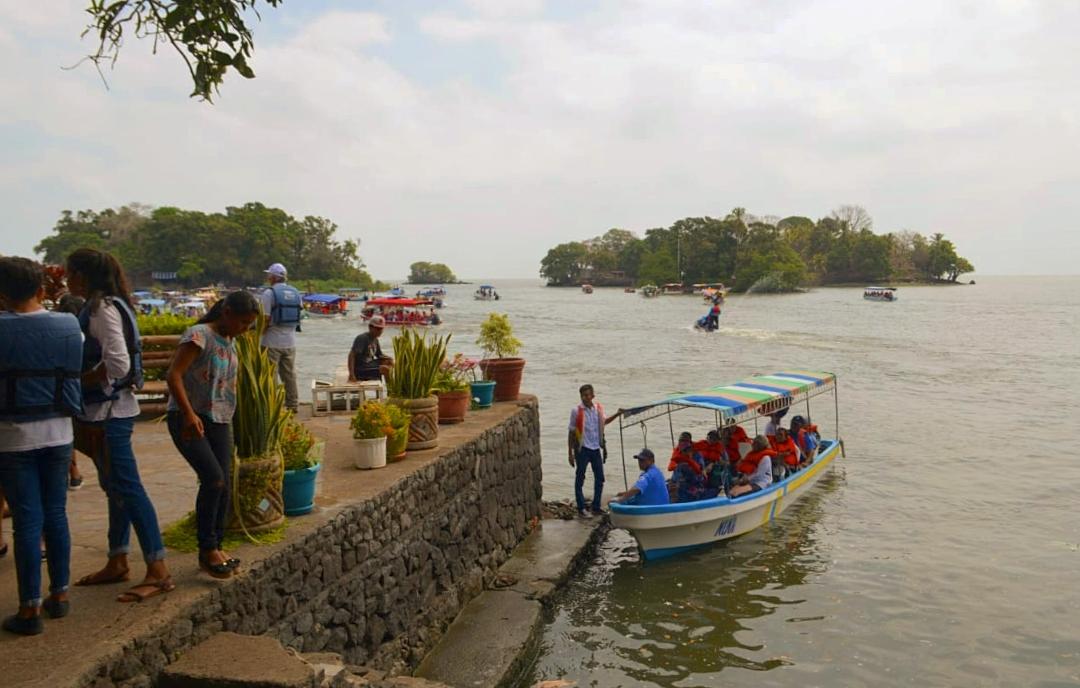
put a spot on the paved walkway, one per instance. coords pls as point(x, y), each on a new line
point(98, 625)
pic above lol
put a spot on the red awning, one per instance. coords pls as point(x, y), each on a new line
point(398, 302)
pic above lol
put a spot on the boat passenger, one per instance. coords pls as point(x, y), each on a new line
point(717, 467)
point(684, 453)
point(773, 424)
point(755, 469)
point(806, 439)
point(732, 436)
point(788, 456)
point(711, 449)
point(649, 490)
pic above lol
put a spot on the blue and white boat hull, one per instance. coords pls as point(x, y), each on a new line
point(663, 531)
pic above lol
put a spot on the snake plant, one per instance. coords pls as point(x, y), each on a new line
point(260, 401)
point(416, 365)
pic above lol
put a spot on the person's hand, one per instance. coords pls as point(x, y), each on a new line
point(192, 428)
point(603, 453)
point(571, 457)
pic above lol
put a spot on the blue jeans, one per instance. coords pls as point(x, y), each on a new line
point(129, 505)
point(582, 460)
point(211, 458)
point(35, 485)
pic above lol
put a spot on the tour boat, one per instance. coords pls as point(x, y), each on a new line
point(650, 291)
point(629, 290)
point(325, 305)
point(435, 295)
point(586, 288)
point(354, 294)
point(880, 294)
point(486, 292)
point(672, 289)
point(669, 529)
point(402, 312)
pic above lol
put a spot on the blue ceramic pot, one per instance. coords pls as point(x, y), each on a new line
point(483, 392)
point(298, 490)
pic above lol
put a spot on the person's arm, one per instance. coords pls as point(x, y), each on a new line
point(624, 497)
point(267, 300)
point(617, 414)
point(352, 365)
point(571, 437)
point(186, 354)
point(107, 327)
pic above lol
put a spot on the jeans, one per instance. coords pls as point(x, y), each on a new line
point(583, 459)
point(35, 485)
point(129, 505)
point(211, 457)
point(285, 362)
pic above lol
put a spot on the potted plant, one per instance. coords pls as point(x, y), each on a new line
point(500, 346)
point(398, 440)
point(452, 388)
point(371, 426)
point(258, 423)
point(410, 383)
point(302, 456)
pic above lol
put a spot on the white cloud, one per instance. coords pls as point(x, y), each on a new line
point(939, 117)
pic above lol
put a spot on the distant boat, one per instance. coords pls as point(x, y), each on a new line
point(650, 291)
point(880, 294)
point(673, 289)
point(486, 292)
point(401, 312)
point(629, 290)
point(586, 288)
point(325, 305)
point(354, 294)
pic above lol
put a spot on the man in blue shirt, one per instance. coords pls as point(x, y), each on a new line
point(650, 488)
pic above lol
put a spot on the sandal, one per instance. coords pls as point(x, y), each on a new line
point(220, 571)
point(100, 578)
point(151, 588)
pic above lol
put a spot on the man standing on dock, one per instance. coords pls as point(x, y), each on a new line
point(282, 307)
point(587, 448)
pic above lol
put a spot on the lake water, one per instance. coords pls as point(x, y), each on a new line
point(943, 550)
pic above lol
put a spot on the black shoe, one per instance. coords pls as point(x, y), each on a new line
point(584, 515)
point(220, 571)
point(232, 562)
point(20, 626)
point(56, 609)
point(598, 512)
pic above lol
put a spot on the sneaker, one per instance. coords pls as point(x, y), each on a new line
point(584, 515)
point(75, 483)
point(598, 512)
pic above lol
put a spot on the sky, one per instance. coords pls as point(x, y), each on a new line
point(481, 133)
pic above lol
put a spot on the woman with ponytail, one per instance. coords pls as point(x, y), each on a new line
point(202, 399)
point(112, 372)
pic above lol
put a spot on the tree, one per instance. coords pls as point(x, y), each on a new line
point(958, 268)
point(854, 218)
point(563, 265)
point(658, 267)
point(211, 36)
point(430, 273)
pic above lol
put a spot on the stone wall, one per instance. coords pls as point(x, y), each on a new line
point(381, 580)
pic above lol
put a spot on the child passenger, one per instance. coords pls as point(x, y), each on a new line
point(202, 399)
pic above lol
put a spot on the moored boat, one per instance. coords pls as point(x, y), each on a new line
point(673, 289)
point(587, 288)
point(486, 292)
point(669, 529)
point(325, 305)
point(402, 312)
point(354, 294)
point(880, 294)
point(650, 291)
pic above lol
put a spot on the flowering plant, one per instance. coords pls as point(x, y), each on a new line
point(296, 445)
point(371, 422)
point(456, 373)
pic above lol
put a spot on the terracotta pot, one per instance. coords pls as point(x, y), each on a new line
point(395, 445)
point(506, 372)
point(453, 406)
point(265, 510)
point(424, 425)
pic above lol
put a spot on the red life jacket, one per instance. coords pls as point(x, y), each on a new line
point(710, 452)
point(678, 457)
point(579, 422)
point(750, 462)
point(791, 459)
point(737, 435)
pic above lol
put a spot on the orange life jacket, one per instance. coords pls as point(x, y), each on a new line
point(678, 457)
point(750, 462)
point(737, 435)
point(709, 451)
point(791, 459)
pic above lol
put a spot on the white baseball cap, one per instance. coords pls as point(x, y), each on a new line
point(277, 270)
point(377, 321)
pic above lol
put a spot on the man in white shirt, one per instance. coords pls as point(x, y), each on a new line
point(588, 449)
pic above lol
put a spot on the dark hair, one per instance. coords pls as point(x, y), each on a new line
point(104, 276)
point(20, 279)
point(584, 388)
point(69, 303)
point(238, 303)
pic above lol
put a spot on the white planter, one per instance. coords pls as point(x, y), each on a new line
point(370, 453)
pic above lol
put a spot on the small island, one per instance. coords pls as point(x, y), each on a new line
point(759, 254)
point(423, 272)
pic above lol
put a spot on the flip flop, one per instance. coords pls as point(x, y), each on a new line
point(104, 580)
point(153, 589)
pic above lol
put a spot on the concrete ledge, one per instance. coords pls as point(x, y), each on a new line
point(229, 660)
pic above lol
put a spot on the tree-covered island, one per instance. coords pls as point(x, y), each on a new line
point(764, 254)
point(423, 272)
point(189, 248)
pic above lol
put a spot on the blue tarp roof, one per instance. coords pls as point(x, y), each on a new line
point(322, 298)
point(151, 302)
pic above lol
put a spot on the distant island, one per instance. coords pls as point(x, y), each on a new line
point(423, 272)
point(761, 254)
point(174, 248)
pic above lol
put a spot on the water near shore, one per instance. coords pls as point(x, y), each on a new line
point(942, 551)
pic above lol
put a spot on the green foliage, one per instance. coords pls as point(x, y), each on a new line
point(233, 247)
point(211, 36)
point(163, 323)
point(182, 537)
point(371, 421)
point(298, 446)
point(260, 401)
point(752, 253)
point(430, 273)
point(497, 338)
point(416, 365)
point(399, 421)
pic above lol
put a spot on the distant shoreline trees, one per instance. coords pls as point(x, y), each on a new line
point(189, 247)
point(766, 254)
point(423, 272)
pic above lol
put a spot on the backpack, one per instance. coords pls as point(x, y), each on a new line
point(133, 379)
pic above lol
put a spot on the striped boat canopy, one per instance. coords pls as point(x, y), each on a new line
point(757, 396)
